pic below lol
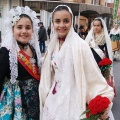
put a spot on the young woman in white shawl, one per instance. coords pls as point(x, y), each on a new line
point(100, 44)
point(115, 38)
point(68, 81)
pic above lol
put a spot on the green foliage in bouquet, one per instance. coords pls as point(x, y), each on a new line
point(105, 65)
point(96, 108)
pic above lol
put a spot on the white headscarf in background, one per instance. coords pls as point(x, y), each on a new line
point(107, 38)
point(10, 42)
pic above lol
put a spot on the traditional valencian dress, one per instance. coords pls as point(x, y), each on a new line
point(68, 81)
point(19, 73)
point(21, 98)
point(115, 38)
point(101, 48)
point(62, 101)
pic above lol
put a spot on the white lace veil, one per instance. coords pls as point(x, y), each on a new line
point(11, 44)
point(107, 37)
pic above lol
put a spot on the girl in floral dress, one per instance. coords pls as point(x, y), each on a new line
point(20, 66)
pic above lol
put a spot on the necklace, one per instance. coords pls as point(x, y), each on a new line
point(24, 46)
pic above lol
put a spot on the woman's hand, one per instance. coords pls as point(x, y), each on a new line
point(105, 115)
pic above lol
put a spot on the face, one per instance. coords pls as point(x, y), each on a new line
point(62, 22)
point(23, 30)
point(41, 25)
point(97, 27)
point(116, 26)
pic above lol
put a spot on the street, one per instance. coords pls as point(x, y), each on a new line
point(116, 101)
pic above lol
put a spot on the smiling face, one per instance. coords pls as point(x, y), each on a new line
point(97, 26)
point(23, 30)
point(62, 21)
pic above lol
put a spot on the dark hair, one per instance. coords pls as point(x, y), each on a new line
point(26, 16)
point(60, 8)
point(99, 21)
point(81, 27)
point(41, 23)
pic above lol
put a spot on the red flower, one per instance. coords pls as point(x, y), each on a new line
point(105, 65)
point(105, 61)
point(96, 107)
point(98, 104)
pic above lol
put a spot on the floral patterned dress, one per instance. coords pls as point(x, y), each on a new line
point(18, 101)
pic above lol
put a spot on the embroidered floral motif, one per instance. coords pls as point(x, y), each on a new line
point(30, 98)
point(20, 101)
point(11, 99)
point(30, 67)
point(15, 19)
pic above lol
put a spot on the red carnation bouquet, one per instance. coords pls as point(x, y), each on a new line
point(105, 65)
point(96, 108)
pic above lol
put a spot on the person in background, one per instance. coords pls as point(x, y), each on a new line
point(49, 31)
point(86, 32)
point(20, 66)
point(76, 28)
point(81, 32)
point(115, 38)
point(100, 44)
point(68, 81)
point(42, 37)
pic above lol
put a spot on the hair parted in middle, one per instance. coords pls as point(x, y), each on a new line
point(60, 8)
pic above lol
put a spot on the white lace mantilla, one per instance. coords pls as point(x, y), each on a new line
point(10, 43)
point(98, 40)
point(95, 41)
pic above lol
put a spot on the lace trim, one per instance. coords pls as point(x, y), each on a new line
point(99, 39)
point(10, 43)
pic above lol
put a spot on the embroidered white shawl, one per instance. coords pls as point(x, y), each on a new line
point(88, 79)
